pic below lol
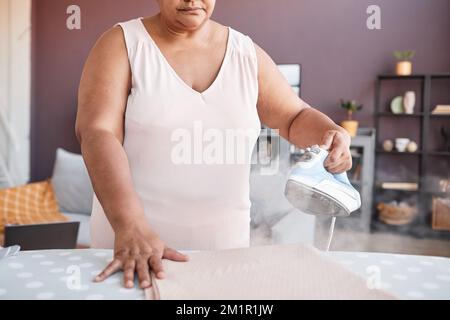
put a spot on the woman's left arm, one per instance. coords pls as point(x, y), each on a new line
point(303, 126)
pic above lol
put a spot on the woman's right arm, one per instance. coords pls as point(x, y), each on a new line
point(103, 93)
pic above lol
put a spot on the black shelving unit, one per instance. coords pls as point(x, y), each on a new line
point(420, 227)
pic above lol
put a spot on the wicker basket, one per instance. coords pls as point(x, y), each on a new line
point(441, 214)
point(396, 214)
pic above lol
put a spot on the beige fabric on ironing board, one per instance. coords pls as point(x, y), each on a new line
point(198, 205)
point(292, 272)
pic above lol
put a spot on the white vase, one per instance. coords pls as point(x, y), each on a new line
point(409, 102)
point(401, 144)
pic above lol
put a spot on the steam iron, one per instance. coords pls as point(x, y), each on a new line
point(314, 190)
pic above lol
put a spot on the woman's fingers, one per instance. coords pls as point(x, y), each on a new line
point(342, 165)
point(338, 169)
point(338, 163)
point(128, 273)
point(141, 266)
point(327, 140)
point(171, 254)
point(143, 272)
point(155, 263)
point(333, 158)
point(130, 268)
point(112, 268)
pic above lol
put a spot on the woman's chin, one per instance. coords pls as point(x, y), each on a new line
point(191, 22)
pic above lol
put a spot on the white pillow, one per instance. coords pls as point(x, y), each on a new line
point(72, 184)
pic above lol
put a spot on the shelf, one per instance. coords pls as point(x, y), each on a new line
point(421, 226)
point(414, 115)
point(414, 76)
point(413, 228)
point(436, 193)
point(398, 190)
point(400, 115)
point(396, 77)
point(399, 153)
point(439, 153)
point(437, 116)
point(427, 192)
point(429, 153)
point(440, 75)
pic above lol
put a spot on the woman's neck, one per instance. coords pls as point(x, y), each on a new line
point(169, 30)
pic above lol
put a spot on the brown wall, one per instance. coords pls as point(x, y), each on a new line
point(340, 57)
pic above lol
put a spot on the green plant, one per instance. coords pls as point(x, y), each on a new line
point(351, 106)
point(405, 55)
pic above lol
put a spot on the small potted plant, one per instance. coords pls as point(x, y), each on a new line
point(350, 125)
point(404, 65)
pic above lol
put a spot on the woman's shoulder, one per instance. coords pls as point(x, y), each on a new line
point(120, 37)
point(223, 28)
point(112, 38)
point(241, 43)
point(110, 48)
point(132, 24)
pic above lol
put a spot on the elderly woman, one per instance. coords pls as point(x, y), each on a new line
point(146, 84)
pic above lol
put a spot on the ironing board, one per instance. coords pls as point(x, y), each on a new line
point(282, 272)
point(50, 275)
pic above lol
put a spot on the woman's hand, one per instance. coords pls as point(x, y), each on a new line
point(138, 251)
point(338, 144)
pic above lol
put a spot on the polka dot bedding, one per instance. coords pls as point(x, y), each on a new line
point(67, 275)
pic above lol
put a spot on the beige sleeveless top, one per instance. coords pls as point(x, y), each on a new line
point(189, 152)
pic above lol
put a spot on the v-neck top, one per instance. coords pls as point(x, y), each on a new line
point(189, 152)
point(175, 74)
